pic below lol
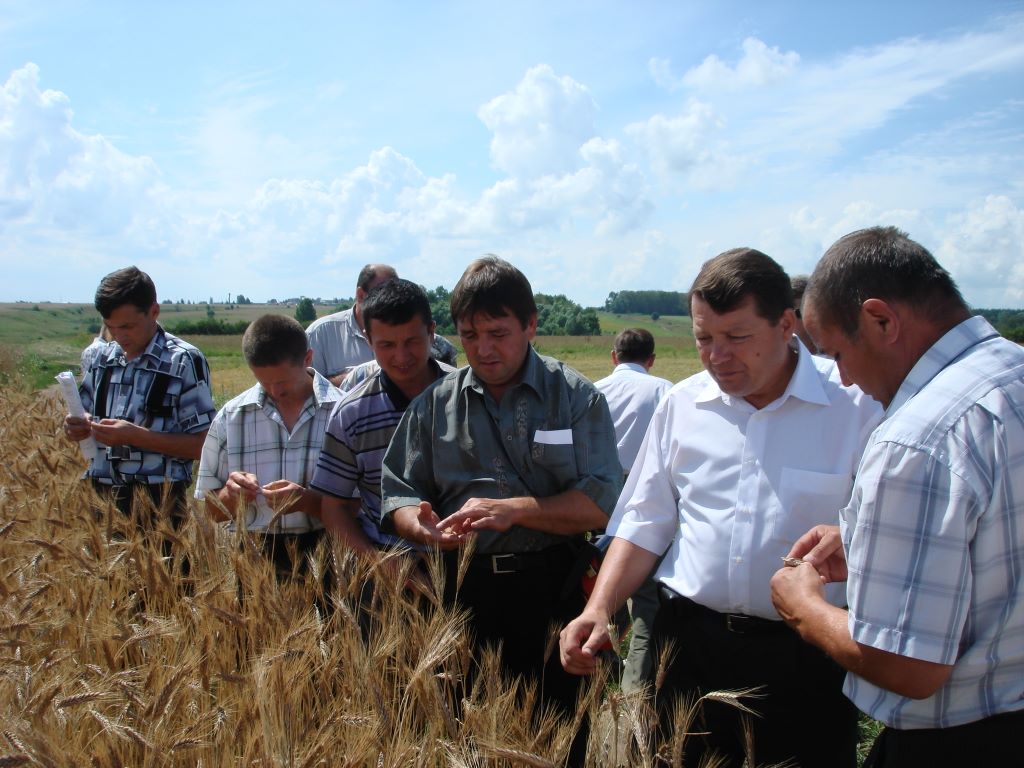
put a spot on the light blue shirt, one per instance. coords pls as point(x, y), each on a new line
point(934, 532)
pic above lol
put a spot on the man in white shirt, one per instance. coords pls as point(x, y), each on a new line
point(338, 341)
point(736, 461)
point(633, 394)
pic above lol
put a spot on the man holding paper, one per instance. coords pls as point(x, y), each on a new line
point(147, 402)
point(517, 451)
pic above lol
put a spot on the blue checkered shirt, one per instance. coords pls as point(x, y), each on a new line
point(186, 406)
point(934, 532)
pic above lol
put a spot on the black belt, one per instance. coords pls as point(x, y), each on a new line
point(519, 562)
point(737, 623)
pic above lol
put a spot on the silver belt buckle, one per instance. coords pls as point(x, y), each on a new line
point(496, 568)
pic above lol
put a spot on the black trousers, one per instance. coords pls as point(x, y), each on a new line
point(518, 610)
point(143, 502)
point(802, 714)
point(995, 742)
point(288, 551)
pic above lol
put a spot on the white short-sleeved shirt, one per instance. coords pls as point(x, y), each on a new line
point(632, 394)
point(727, 488)
point(338, 343)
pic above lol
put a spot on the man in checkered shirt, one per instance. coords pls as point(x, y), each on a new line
point(262, 447)
point(148, 402)
point(931, 544)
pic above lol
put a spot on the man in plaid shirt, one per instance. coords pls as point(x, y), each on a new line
point(262, 447)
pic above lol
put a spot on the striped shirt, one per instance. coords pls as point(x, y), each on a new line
point(357, 437)
point(249, 435)
point(934, 532)
point(165, 389)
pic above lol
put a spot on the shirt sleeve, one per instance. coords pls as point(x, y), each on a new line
point(337, 470)
point(647, 511)
point(213, 462)
point(407, 472)
point(195, 403)
point(908, 554)
point(597, 454)
point(318, 343)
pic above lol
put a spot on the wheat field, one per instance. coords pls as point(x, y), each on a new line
point(110, 658)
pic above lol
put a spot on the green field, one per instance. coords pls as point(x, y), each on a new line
point(39, 340)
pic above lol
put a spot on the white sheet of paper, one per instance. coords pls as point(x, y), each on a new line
point(553, 436)
point(69, 391)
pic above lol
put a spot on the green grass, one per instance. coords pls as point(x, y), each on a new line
point(44, 339)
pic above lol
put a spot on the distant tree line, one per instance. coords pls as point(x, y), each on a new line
point(1009, 322)
point(556, 315)
point(210, 326)
point(647, 303)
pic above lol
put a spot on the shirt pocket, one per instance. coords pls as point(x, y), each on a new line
point(808, 499)
point(554, 452)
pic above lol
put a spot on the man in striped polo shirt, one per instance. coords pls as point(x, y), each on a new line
point(262, 447)
point(400, 327)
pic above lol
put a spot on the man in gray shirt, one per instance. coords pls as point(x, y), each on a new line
point(518, 451)
point(338, 341)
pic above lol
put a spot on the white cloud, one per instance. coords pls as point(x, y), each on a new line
point(539, 127)
point(52, 176)
point(759, 66)
point(679, 144)
point(983, 248)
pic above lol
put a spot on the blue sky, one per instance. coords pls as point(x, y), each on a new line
point(269, 150)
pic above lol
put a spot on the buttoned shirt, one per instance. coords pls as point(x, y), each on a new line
point(550, 433)
point(185, 406)
point(934, 532)
point(726, 488)
point(358, 434)
point(249, 435)
point(632, 395)
point(338, 343)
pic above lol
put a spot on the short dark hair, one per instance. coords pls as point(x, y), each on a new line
point(125, 286)
point(726, 281)
point(370, 272)
point(494, 287)
point(273, 340)
point(634, 345)
point(799, 284)
point(395, 302)
point(880, 263)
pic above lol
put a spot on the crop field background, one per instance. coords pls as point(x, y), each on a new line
point(40, 340)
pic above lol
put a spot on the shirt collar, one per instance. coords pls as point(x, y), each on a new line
point(630, 367)
point(952, 345)
point(323, 392)
point(394, 392)
point(155, 348)
point(805, 384)
point(532, 376)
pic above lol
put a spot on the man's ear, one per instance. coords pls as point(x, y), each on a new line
point(615, 358)
point(155, 310)
point(307, 361)
point(880, 319)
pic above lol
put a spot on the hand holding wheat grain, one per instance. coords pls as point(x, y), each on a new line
point(822, 547)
